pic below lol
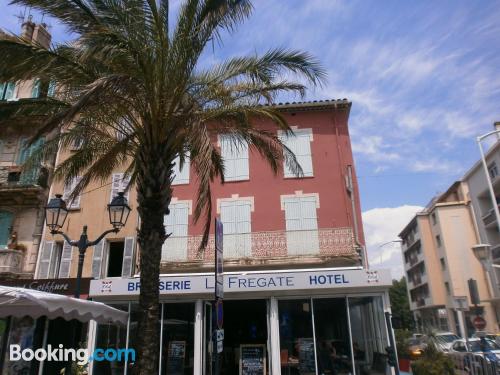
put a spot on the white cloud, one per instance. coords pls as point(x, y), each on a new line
point(374, 147)
point(381, 226)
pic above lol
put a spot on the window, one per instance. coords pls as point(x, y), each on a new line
point(433, 217)
point(443, 264)
point(447, 286)
point(235, 157)
point(26, 151)
point(7, 90)
point(55, 260)
point(301, 224)
point(493, 170)
point(438, 240)
point(6, 219)
point(300, 145)
point(176, 223)
point(119, 184)
point(68, 189)
point(35, 91)
point(236, 218)
point(181, 176)
point(51, 91)
point(113, 259)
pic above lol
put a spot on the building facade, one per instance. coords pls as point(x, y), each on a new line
point(482, 209)
point(293, 258)
point(438, 259)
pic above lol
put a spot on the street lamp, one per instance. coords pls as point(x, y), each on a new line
point(56, 212)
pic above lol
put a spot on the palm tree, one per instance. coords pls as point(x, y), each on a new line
point(132, 87)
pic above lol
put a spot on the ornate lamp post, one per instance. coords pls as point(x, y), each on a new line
point(56, 213)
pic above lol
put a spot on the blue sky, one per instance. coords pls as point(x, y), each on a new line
point(423, 78)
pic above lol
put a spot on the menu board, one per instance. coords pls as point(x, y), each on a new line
point(175, 359)
point(253, 359)
point(307, 360)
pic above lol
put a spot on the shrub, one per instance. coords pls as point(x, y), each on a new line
point(433, 362)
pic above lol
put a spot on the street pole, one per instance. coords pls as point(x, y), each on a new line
point(488, 178)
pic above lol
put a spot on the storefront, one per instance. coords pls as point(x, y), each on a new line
point(291, 322)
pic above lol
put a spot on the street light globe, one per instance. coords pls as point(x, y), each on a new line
point(481, 251)
point(55, 213)
point(118, 211)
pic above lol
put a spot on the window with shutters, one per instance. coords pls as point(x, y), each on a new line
point(301, 224)
point(119, 184)
point(236, 219)
point(55, 260)
point(300, 145)
point(72, 204)
point(235, 157)
point(176, 223)
point(63, 268)
point(51, 90)
point(113, 258)
point(181, 175)
point(6, 219)
point(7, 90)
point(36, 89)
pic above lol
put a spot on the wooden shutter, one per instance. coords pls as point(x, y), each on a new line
point(52, 89)
point(2, 89)
point(300, 145)
point(301, 225)
point(175, 247)
point(35, 91)
point(68, 188)
point(23, 152)
point(5, 224)
point(45, 256)
point(292, 214)
point(97, 260)
point(235, 216)
point(308, 213)
point(128, 257)
point(119, 183)
point(66, 256)
point(235, 158)
point(181, 175)
point(9, 91)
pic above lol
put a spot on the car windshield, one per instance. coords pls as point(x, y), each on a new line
point(446, 338)
point(489, 345)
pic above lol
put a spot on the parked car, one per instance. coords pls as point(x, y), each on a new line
point(492, 336)
point(443, 340)
point(485, 348)
point(416, 347)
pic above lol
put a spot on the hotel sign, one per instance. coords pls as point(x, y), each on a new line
point(248, 282)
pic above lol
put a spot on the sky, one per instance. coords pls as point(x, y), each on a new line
point(423, 78)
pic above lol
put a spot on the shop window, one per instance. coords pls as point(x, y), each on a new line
point(175, 247)
point(120, 183)
point(177, 347)
point(181, 175)
point(113, 259)
point(369, 337)
point(235, 156)
point(296, 337)
point(236, 218)
point(301, 224)
point(6, 219)
point(69, 187)
point(300, 145)
point(333, 345)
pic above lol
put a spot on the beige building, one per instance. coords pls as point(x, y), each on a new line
point(23, 193)
point(438, 263)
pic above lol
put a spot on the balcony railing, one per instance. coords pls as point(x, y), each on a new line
point(11, 261)
point(13, 177)
point(489, 218)
point(329, 242)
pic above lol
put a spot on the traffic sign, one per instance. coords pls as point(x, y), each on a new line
point(479, 323)
point(219, 311)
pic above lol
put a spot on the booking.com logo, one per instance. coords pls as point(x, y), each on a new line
point(81, 356)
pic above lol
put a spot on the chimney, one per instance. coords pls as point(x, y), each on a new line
point(41, 35)
point(27, 28)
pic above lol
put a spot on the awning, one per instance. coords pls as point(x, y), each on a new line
point(21, 302)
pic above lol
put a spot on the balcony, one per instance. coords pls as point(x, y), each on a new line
point(11, 262)
point(259, 248)
point(489, 218)
point(21, 188)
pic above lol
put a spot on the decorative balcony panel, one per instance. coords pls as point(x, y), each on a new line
point(11, 261)
point(329, 242)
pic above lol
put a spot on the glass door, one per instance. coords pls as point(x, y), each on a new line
point(207, 339)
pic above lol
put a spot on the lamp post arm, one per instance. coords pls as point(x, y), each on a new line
point(98, 239)
point(68, 240)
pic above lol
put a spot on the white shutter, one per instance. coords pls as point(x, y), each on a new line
point(97, 260)
point(66, 256)
point(68, 189)
point(308, 213)
point(181, 176)
point(300, 145)
point(301, 225)
point(235, 157)
point(236, 218)
point(128, 257)
point(175, 247)
point(119, 183)
point(45, 255)
point(292, 214)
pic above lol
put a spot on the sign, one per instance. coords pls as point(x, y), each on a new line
point(219, 259)
point(307, 360)
point(219, 311)
point(253, 359)
point(255, 282)
point(175, 358)
point(479, 323)
point(65, 287)
point(461, 303)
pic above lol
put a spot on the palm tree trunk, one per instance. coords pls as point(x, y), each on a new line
point(154, 193)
